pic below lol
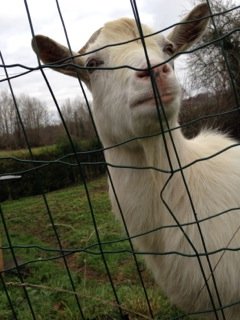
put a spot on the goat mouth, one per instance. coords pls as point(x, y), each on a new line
point(164, 98)
point(143, 100)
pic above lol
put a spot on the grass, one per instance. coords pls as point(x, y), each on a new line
point(45, 275)
point(20, 152)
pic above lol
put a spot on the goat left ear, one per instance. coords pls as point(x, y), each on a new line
point(191, 28)
point(58, 57)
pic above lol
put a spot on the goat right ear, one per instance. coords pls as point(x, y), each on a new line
point(52, 53)
point(191, 28)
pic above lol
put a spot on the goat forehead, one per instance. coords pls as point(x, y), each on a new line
point(120, 30)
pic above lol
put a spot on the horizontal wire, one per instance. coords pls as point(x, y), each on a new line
point(104, 163)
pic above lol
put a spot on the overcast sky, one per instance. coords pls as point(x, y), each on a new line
point(82, 18)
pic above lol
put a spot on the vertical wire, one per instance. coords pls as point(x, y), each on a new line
point(136, 14)
point(2, 216)
point(157, 97)
point(41, 188)
point(113, 189)
point(85, 183)
point(45, 200)
point(235, 94)
point(77, 159)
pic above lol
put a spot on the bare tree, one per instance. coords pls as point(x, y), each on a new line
point(77, 118)
point(34, 117)
point(7, 114)
point(7, 118)
point(217, 66)
point(34, 112)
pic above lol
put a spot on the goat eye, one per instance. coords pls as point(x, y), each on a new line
point(169, 49)
point(92, 64)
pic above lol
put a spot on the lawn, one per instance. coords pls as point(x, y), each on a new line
point(20, 152)
point(77, 286)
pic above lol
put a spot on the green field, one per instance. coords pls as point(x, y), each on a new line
point(32, 231)
point(19, 152)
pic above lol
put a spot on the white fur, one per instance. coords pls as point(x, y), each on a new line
point(149, 196)
point(214, 186)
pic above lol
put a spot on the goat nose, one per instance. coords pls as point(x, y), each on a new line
point(159, 71)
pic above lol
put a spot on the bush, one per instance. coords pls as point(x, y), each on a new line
point(53, 168)
point(64, 147)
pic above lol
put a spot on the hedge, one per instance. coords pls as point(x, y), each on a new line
point(53, 168)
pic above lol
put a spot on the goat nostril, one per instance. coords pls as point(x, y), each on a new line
point(165, 68)
point(143, 74)
point(161, 70)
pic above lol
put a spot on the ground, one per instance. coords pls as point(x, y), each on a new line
point(40, 227)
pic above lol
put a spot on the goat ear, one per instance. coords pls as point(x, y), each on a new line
point(52, 53)
point(191, 28)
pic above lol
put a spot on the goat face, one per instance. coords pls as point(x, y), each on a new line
point(125, 99)
point(128, 100)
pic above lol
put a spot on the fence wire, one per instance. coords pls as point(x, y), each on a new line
point(19, 293)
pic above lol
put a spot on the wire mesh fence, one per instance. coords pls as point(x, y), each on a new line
point(62, 254)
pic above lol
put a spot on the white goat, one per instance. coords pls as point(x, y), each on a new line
point(128, 104)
